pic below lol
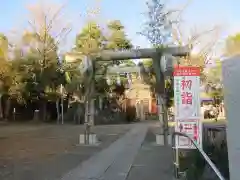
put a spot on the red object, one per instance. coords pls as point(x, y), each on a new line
point(187, 127)
point(186, 98)
point(154, 107)
point(195, 132)
point(186, 71)
point(186, 84)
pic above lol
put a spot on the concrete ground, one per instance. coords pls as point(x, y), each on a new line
point(134, 156)
point(113, 162)
point(46, 152)
point(126, 152)
point(152, 161)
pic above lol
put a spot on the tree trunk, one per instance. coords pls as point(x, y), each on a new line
point(7, 108)
point(58, 111)
point(43, 110)
point(1, 109)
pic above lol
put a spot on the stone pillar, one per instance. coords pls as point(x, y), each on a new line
point(92, 112)
point(142, 110)
point(231, 74)
point(160, 109)
point(138, 111)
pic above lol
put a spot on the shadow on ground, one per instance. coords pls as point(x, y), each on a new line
point(47, 152)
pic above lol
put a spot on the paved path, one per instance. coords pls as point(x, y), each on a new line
point(135, 156)
point(152, 162)
point(113, 162)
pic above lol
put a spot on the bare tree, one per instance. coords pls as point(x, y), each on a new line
point(203, 42)
point(48, 27)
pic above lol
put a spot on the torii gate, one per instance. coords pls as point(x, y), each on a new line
point(162, 66)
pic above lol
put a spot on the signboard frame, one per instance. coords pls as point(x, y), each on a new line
point(187, 105)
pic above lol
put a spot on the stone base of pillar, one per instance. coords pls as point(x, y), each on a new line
point(91, 139)
point(160, 139)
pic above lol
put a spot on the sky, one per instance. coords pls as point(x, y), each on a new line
point(199, 15)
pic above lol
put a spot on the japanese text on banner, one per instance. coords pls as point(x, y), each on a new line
point(186, 93)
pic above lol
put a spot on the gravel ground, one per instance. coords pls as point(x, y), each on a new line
point(45, 152)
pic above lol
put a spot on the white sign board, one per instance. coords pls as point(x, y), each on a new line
point(191, 127)
point(187, 106)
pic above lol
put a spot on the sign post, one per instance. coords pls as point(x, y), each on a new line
point(187, 106)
